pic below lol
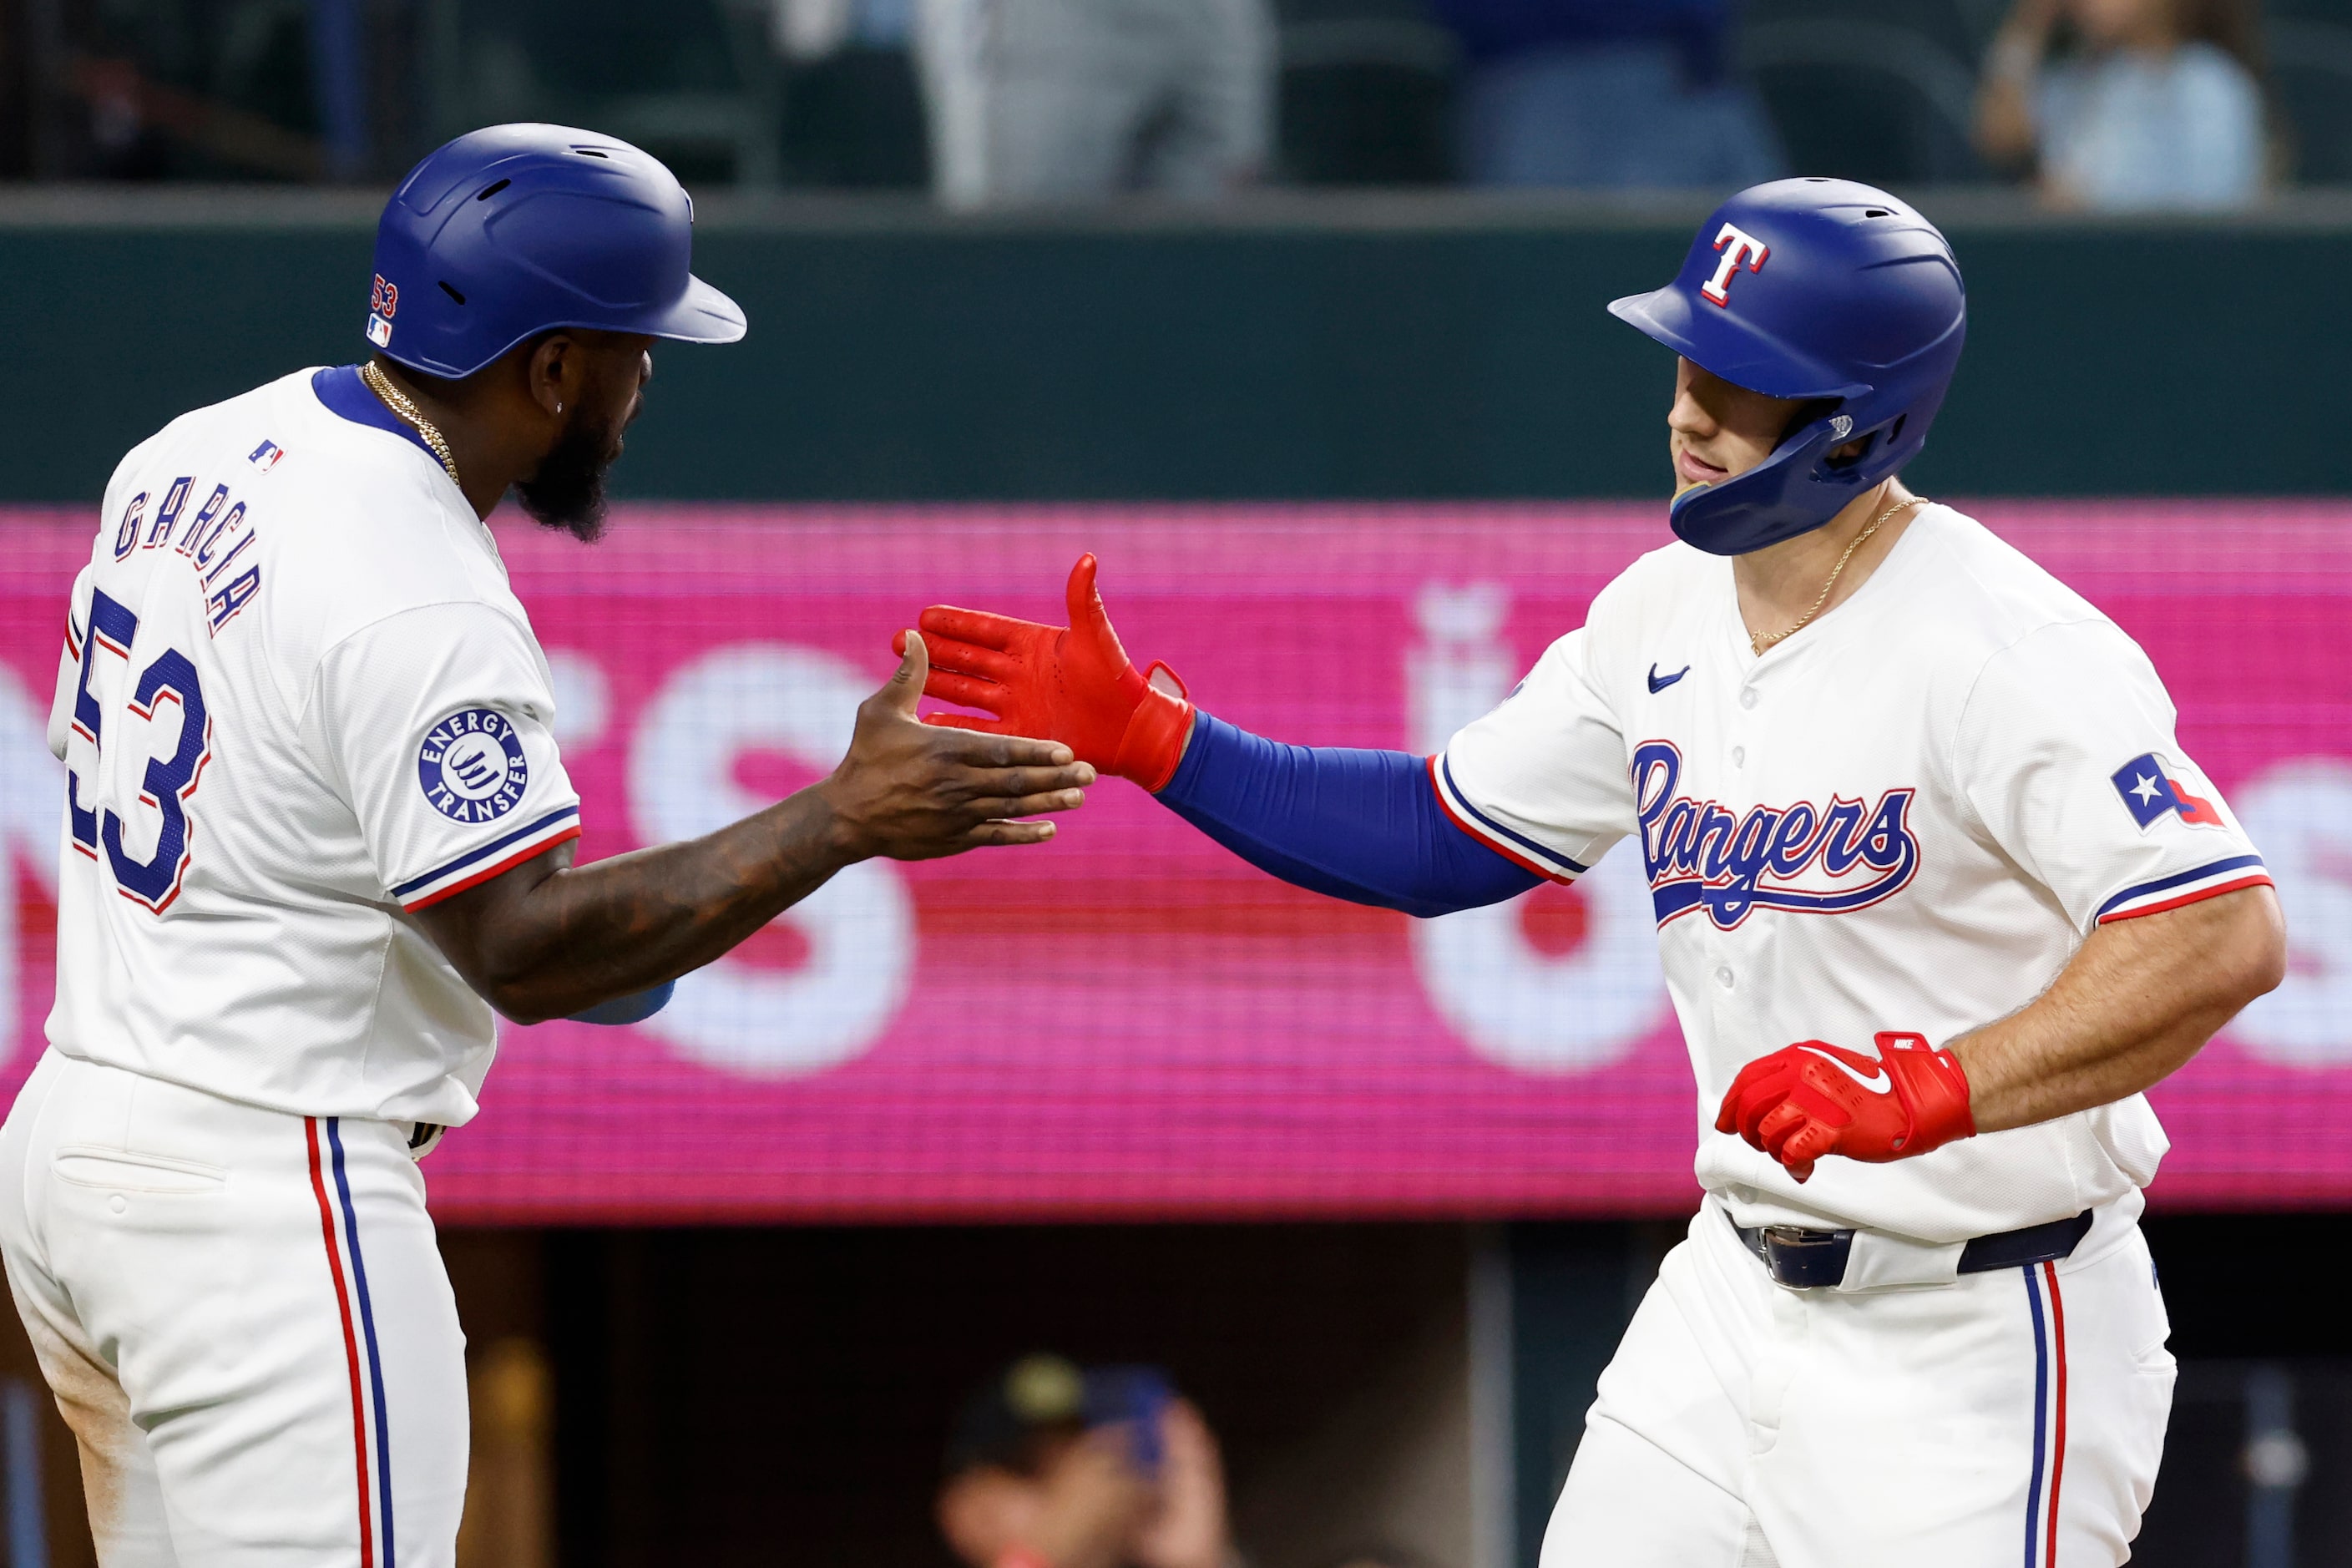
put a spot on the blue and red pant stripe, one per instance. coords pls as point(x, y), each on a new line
point(347, 1266)
point(2049, 1313)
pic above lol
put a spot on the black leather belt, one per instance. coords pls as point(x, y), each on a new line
point(1815, 1259)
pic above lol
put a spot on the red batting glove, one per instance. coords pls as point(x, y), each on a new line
point(1814, 1098)
point(1072, 684)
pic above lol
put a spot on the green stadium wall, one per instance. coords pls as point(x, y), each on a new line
point(916, 359)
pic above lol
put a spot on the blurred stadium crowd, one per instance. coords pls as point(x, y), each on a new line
point(2114, 105)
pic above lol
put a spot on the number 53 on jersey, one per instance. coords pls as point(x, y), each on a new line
point(143, 708)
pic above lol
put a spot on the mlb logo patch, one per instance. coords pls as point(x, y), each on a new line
point(379, 332)
point(2150, 793)
point(265, 457)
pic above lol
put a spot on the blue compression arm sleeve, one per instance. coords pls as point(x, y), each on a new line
point(1360, 825)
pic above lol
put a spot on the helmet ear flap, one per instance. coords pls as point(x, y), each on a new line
point(1844, 455)
point(1759, 508)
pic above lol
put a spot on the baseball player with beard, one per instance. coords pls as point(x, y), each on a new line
point(317, 828)
point(1938, 895)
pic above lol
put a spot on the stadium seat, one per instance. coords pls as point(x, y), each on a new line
point(1365, 95)
point(693, 81)
point(1882, 92)
point(2310, 63)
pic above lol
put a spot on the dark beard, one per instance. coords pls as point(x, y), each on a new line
point(568, 492)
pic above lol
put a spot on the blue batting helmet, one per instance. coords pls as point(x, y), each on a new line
point(1824, 290)
point(516, 229)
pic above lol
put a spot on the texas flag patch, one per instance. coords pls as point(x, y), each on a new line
point(2150, 793)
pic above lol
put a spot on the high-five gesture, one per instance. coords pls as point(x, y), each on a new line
point(908, 792)
point(1074, 684)
point(549, 939)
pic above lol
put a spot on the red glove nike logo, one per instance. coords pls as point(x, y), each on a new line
point(1877, 1082)
point(1814, 1098)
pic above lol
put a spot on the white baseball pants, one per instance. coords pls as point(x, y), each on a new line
point(245, 1320)
point(2008, 1417)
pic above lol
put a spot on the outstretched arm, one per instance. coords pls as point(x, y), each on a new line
point(1364, 825)
point(549, 939)
point(1358, 824)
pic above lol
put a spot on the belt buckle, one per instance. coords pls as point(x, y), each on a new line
point(1803, 1260)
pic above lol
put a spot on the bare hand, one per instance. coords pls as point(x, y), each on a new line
point(1189, 1528)
point(1093, 1499)
point(912, 791)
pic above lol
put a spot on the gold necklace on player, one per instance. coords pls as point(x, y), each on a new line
point(397, 401)
point(1759, 641)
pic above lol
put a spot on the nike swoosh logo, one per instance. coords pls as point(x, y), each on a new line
point(1660, 683)
point(1883, 1084)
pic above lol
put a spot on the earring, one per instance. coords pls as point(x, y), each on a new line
point(558, 408)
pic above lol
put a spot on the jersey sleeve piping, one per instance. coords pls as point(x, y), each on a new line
point(478, 866)
point(1515, 847)
point(2184, 888)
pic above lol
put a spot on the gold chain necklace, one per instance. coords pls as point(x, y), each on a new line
point(397, 401)
point(1759, 641)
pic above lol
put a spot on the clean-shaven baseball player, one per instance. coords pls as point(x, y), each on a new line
point(317, 830)
point(1937, 892)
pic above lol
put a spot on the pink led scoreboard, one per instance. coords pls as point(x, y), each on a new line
point(1130, 1022)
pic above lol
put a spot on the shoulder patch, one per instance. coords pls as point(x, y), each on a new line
point(2150, 793)
point(471, 765)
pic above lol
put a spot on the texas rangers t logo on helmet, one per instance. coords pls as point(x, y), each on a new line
point(1738, 247)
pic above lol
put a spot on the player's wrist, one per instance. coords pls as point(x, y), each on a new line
point(839, 836)
point(1934, 1088)
point(1157, 732)
point(1153, 746)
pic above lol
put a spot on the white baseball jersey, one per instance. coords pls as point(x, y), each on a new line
point(1906, 816)
point(298, 699)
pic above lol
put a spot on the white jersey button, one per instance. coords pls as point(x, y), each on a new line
point(1738, 756)
point(1747, 698)
point(1723, 978)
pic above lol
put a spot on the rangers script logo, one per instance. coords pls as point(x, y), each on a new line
point(1799, 857)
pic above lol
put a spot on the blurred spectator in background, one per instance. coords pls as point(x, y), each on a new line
point(1052, 1467)
point(2123, 105)
point(853, 116)
point(1607, 93)
point(814, 29)
point(1071, 100)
